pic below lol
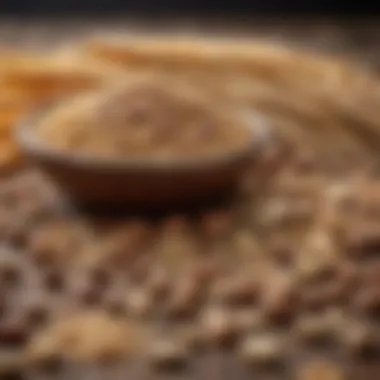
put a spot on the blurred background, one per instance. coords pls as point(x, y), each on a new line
point(349, 28)
point(205, 6)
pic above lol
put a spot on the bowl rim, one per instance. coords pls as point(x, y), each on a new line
point(35, 148)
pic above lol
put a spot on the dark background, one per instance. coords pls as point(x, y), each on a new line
point(242, 7)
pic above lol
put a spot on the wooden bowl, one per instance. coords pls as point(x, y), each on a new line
point(147, 183)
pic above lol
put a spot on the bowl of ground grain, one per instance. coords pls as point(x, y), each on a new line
point(143, 143)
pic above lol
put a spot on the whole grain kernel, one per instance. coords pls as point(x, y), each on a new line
point(263, 350)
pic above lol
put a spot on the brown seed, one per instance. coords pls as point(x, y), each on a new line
point(263, 350)
point(320, 370)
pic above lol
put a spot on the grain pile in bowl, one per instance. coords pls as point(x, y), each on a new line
point(154, 118)
point(286, 271)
